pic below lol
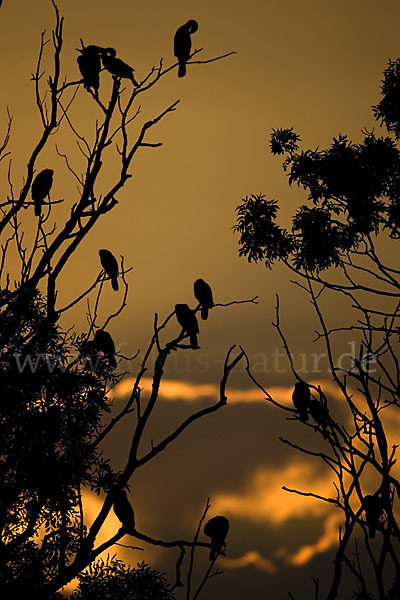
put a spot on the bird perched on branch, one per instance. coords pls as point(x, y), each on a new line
point(217, 529)
point(116, 66)
point(203, 294)
point(110, 265)
point(90, 66)
point(188, 321)
point(373, 511)
point(103, 342)
point(319, 413)
point(301, 399)
point(124, 511)
point(183, 43)
point(41, 187)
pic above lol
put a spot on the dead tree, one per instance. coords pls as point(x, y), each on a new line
point(54, 382)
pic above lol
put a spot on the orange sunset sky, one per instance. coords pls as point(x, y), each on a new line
point(311, 64)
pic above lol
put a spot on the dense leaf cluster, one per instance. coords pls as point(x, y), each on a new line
point(354, 190)
point(113, 580)
point(51, 412)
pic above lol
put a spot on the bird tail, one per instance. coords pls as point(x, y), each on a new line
point(303, 414)
point(135, 83)
point(215, 550)
point(193, 341)
point(372, 530)
point(114, 283)
point(182, 69)
point(38, 209)
point(112, 360)
point(204, 313)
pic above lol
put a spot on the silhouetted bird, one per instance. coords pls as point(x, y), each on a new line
point(110, 265)
point(217, 529)
point(116, 66)
point(319, 413)
point(183, 43)
point(373, 512)
point(188, 321)
point(41, 187)
point(103, 342)
point(90, 66)
point(203, 294)
point(301, 398)
point(124, 511)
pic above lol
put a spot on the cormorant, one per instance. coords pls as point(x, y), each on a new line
point(301, 398)
point(373, 512)
point(116, 66)
point(203, 294)
point(103, 342)
point(217, 529)
point(110, 265)
point(183, 43)
point(90, 66)
point(41, 187)
point(124, 511)
point(188, 321)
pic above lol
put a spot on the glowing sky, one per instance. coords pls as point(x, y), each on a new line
point(313, 64)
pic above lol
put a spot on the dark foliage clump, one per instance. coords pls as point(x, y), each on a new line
point(113, 580)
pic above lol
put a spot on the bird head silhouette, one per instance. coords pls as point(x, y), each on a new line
point(92, 49)
point(109, 52)
point(192, 25)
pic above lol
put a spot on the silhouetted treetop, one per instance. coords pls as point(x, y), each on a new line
point(355, 189)
point(388, 109)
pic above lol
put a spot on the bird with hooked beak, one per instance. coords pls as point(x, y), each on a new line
point(116, 66)
point(41, 187)
point(110, 265)
point(301, 399)
point(217, 529)
point(124, 511)
point(90, 66)
point(183, 44)
point(188, 321)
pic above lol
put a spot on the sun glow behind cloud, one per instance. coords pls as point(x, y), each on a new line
point(253, 558)
point(327, 540)
point(176, 390)
point(264, 500)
